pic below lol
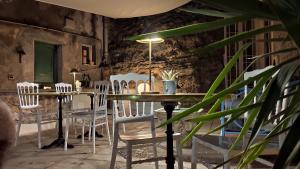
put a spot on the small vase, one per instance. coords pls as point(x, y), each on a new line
point(169, 86)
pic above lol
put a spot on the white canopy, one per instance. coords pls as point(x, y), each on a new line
point(120, 8)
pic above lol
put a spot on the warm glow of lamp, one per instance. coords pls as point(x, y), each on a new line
point(150, 41)
point(143, 87)
point(74, 72)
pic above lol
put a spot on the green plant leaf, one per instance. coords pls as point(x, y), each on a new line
point(254, 8)
point(290, 146)
point(275, 53)
point(236, 38)
point(252, 115)
point(213, 87)
point(282, 79)
point(210, 99)
point(209, 12)
point(213, 116)
point(288, 12)
point(192, 29)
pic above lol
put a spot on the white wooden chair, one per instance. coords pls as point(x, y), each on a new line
point(229, 104)
point(64, 88)
point(30, 103)
point(88, 117)
point(67, 100)
point(133, 112)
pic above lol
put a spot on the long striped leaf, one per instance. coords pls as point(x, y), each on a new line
point(275, 53)
point(212, 47)
point(229, 90)
point(283, 77)
point(288, 12)
point(209, 12)
point(254, 113)
point(255, 8)
point(192, 29)
point(213, 116)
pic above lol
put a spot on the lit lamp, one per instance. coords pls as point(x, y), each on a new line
point(150, 41)
point(74, 72)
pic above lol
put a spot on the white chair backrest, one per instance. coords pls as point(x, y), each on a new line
point(64, 88)
point(253, 73)
point(250, 74)
point(28, 101)
point(101, 91)
point(131, 83)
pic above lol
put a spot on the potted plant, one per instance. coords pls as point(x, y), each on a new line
point(169, 81)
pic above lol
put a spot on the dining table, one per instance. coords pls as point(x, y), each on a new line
point(60, 141)
point(168, 101)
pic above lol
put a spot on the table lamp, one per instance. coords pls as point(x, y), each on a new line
point(150, 41)
point(74, 72)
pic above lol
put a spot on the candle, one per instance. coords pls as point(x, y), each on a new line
point(78, 85)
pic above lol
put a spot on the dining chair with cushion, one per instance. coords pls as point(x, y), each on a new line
point(91, 118)
point(131, 112)
point(30, 105)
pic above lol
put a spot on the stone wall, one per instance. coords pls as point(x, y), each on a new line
point(197, 72)
point(24, 22)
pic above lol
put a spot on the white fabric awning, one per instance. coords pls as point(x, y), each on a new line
point(120, 8)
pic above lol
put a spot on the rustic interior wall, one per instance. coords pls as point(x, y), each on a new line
point(196, 72)
point(24, 22)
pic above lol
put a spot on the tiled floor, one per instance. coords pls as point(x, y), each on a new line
point(27, 156)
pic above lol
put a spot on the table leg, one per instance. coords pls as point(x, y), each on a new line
point(170, 160)
point(60, 141)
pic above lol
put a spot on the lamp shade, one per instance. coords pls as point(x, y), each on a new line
point(74, 71)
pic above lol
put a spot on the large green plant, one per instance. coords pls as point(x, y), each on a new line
point(286, 15)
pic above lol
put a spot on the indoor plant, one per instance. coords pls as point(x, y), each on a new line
point(169, 81)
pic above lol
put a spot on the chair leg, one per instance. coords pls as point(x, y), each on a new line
point(74, 126)
point(66, 134)
point(82, 132)
point(194, 154)
point(129, 156)
point(19, 127)
point(179, 154)
point(90, 130)
point(115, 147)
point(154, 144)
point(107, 131)
point(94, 139)
point(39, 120)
